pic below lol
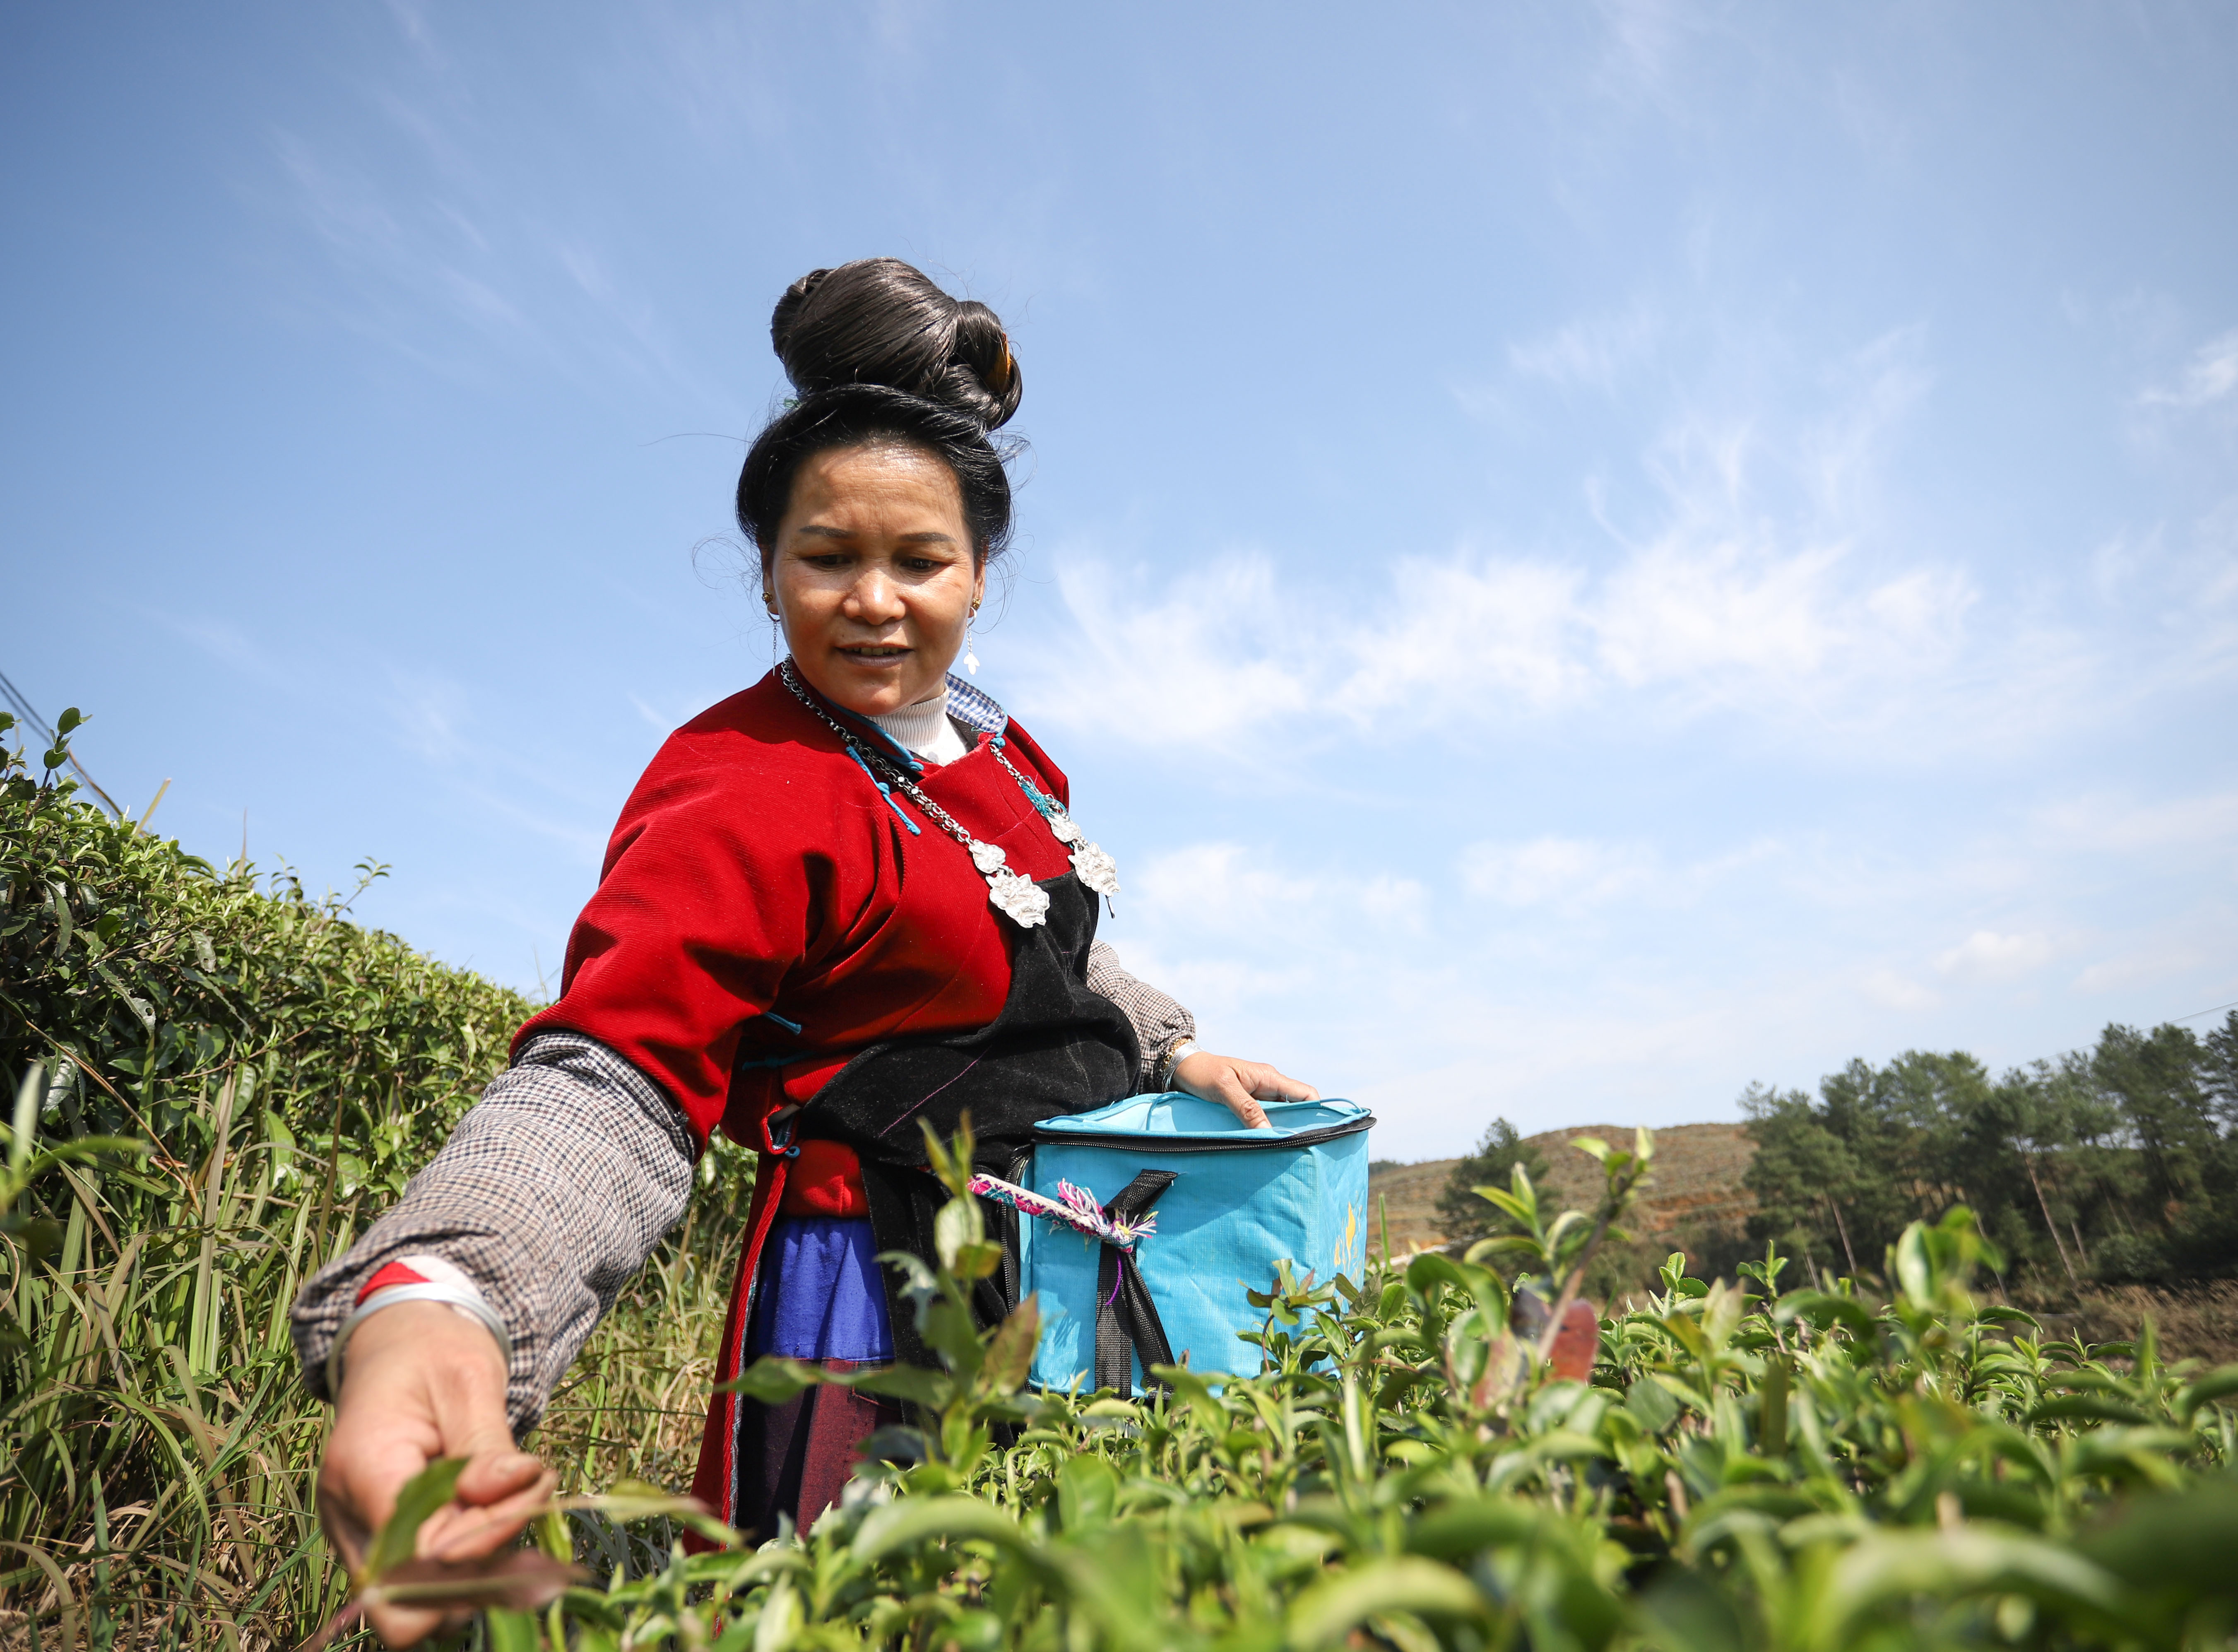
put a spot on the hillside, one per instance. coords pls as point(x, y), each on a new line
point(1697, 1183)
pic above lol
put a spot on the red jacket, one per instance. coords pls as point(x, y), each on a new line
point(765, 912)
point(757, 876)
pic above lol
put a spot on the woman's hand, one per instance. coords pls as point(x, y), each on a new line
point(420, 1382)
point(1240, 1086)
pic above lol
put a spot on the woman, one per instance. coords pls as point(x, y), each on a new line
point(842, 905)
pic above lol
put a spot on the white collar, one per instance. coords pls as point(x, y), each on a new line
point(926, 729)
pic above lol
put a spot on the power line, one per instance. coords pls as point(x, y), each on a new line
point(2196, 1014)
point(24, 709)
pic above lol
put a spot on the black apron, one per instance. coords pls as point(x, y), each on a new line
point(1056, 1048)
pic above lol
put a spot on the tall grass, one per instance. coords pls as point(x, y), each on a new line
point(161, 1448)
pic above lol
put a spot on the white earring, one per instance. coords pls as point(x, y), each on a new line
point(970, 660)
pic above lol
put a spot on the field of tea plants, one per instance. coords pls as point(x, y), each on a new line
point(223, 1077)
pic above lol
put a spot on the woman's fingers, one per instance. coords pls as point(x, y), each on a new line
point(499, 1473)
point(1239, 1085)
point(508, 1489)
point(1270, 1085)
point(1229, 1090)
point(402, 1626)
point(366, 1465)
point(497, 1496)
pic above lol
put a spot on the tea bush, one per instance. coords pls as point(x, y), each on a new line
point(1725, 1467)
point(284, 1070)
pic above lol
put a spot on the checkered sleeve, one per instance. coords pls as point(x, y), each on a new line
point(549, 1195)
point(1159, 1021)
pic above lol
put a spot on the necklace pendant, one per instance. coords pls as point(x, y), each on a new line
point(1061, 828)
point(1021, 900)
point(1095, 869)
point(988, 857)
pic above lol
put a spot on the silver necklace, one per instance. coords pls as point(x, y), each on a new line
point(1089, 864)
point(1016, 897)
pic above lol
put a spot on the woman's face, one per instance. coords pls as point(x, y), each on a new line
point(873, 576)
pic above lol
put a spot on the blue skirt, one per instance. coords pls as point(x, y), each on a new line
point(820, 1296)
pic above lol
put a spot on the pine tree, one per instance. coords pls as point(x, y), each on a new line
point(1465, 1214)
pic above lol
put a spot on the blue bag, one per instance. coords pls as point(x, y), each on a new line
point(1229, 1203)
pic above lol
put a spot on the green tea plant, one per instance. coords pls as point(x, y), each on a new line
point(1739, 1468)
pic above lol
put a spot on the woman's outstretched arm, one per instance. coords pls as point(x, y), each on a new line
point(548, 1196)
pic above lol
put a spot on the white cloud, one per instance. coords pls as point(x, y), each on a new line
point(2113, 823)
point(1751, 590)
point(1566, 871)
point(1613, 980)
point(227, 644)
point(1229, 889)
point(1893, 991)
point(1987, 956)
point(2215, 587)
point(1680, 628)
point(1839, 456)
point(1643, 57)
point(1680, 612)
point(2158, 962)
point(1220, 653)
point(1253, 944)
point(438, 253)
point(2211, 374)
point(1508, 631)
point(430, 714)
point(1592, 353)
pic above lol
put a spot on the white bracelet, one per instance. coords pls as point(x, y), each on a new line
point(462, 1297)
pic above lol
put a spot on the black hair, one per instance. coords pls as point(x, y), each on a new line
point(879, 353)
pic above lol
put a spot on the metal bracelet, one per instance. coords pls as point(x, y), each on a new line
point(1175, 1052)
point(464, 1299)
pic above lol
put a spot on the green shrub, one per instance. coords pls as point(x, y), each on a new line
point(288, 1069)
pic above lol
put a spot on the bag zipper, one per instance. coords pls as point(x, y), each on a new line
point(1145, 1141)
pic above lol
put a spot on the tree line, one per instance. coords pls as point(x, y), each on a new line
point(2117, 1164)
point(2114, 1164)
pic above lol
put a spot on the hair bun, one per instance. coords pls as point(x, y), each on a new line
point(878, 320)
point(788, 308)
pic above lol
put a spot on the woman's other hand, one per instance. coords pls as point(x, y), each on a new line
point(420, 1382)
point(1240, 1086)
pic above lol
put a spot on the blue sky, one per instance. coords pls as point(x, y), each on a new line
point(1578, 556)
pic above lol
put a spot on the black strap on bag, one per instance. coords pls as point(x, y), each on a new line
point(1127, 1324)
point(1022, 1167)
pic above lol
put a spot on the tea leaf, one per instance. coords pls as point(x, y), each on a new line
point(423, 1494)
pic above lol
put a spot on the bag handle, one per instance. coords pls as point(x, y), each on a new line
point(1127, 1323)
